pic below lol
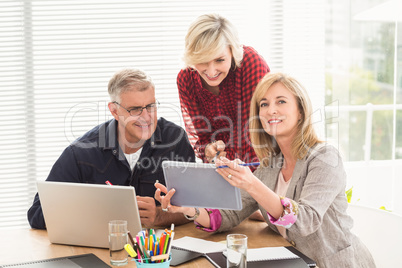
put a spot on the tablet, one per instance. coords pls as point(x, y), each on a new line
point(79, 213)
point(199, 185)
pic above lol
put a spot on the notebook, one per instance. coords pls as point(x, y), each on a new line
point(273, 257)
point(198, 245)
point(189, 248)
point(78, 213)
point(85, 261)
point(219, 260)
point(199, 185)
point(180, 256)
point(269, 253)
point(310, 262)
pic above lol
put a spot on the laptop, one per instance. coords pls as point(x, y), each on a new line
point(78, 213)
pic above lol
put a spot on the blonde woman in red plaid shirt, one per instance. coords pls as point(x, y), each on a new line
point(216, 87)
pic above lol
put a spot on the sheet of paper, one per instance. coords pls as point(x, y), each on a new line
point(198, 245)
point(270, 253)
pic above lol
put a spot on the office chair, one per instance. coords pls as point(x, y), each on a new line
point(381, 232)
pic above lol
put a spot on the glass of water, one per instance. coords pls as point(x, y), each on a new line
point(117, 240)
point(236, 250)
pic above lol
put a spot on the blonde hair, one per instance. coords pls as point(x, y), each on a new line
point(264, 144)
point(127, 80)
point(208, 36)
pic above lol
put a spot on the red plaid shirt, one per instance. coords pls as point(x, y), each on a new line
point(225, 117)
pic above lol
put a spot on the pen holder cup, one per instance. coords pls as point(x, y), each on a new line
point(143, 264)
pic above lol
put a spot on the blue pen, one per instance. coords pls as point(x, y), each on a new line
point(245, 165)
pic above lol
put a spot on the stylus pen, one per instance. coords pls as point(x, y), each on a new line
point(245, 165)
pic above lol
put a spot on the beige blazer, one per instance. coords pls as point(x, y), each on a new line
point(322, 229)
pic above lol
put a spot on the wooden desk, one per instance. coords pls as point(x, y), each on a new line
point(22, 245)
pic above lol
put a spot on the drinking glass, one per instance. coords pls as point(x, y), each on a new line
point(117, 240)
point(236, 250)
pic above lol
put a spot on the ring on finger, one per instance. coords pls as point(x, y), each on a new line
point(165, 209)
point(230, 176)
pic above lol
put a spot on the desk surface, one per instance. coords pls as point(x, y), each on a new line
point(22, 245)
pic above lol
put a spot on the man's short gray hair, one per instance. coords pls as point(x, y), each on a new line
point(128, 80)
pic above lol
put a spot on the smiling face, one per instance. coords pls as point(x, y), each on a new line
point(279, 112)
point(214, 71)
point(133, 131)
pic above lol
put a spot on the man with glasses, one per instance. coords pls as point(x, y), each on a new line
point(127, 150)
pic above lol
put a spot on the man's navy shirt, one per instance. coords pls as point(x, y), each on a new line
point(96, 157)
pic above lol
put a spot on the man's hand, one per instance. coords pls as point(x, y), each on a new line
point(147, 209)
point(153, 216)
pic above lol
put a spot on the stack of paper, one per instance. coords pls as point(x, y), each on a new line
point(198, 245)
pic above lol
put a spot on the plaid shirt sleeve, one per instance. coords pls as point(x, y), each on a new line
point(192, 117)
point(254, 68)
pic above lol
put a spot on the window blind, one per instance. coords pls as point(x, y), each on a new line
point(56, 58)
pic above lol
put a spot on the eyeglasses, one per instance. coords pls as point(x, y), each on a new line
point(137, 111)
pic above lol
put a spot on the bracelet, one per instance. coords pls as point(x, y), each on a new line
point(197, 213)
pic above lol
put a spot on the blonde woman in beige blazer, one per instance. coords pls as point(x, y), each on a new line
point(299, 186)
